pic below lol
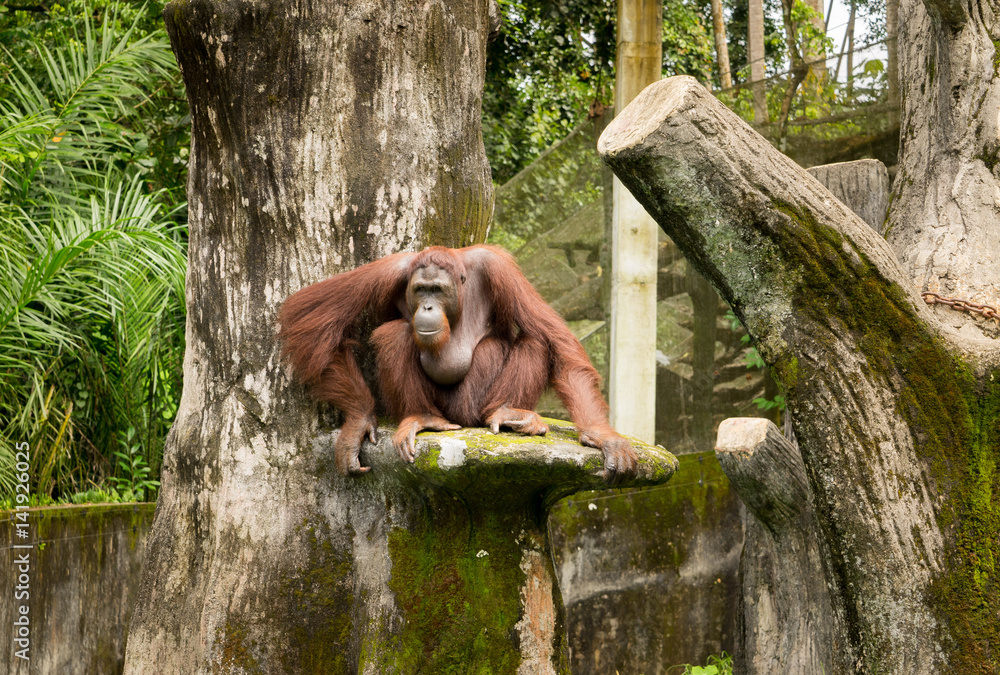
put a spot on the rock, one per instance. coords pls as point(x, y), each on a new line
point(455, 562)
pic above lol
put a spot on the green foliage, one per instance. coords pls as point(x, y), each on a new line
point(810, 39)
point(753, 361)
point(550, 61)
point(134, 478)
point(688, 47)
point(715, 665)
point(872, 12)
point(94, 495)
point(825, 115)
point(736, 34)
point(553, 64)
point(91, 292)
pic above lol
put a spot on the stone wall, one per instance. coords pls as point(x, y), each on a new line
point(649, 576)
point(83, 582)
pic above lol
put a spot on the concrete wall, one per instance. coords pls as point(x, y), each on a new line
point(649, 576)
point(83, 582)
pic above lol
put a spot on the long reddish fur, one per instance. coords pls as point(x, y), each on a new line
point(530, 346)
point(571, 374)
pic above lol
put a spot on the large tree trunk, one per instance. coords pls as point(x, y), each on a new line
point(326, 134)
point(944, 224)
point(896, 414)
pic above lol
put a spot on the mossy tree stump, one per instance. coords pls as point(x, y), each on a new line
point(897, 414)
point(785, 619)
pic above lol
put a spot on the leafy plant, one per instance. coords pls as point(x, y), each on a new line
point(552, 65)
point(91, 290)
point(135, 481)
point(714, 665)
point(753, 360)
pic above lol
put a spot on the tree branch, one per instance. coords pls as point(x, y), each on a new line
point(769, 236)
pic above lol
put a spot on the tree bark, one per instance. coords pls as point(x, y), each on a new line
point(892, 59)
point(786, 620)
point(849, 35)
point(946, 200)
point(755, 53)
point(861, 185)
point(817, 59)
point(800, 65)
point(896, 415)
point(324, 135)
point(721, 45)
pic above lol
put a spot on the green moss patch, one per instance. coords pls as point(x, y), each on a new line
point(457, 581)
point(319, 596)
point(968, 592)
point(953, 418)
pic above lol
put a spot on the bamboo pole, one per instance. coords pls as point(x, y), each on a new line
point(632, 386)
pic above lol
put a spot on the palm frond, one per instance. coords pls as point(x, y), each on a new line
point(92, 276)
point(96, 80)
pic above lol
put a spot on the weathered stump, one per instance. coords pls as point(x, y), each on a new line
point(862, 186)
point(786, 621)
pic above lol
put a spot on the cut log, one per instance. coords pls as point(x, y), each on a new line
point(863, 186)
point(786, 620)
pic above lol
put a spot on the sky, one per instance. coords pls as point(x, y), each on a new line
point(837, 26)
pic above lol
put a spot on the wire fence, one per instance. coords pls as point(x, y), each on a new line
point(555, 214)
point(841, 110)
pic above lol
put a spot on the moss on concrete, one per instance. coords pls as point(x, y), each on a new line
point(320, 592)
point(652, 559)
point(686, 490)
point(459, 571)
point(990, 155)
point(84, 581)
point(236, 652)
point(542, 467)
point(953, 417)
point(457, 580)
